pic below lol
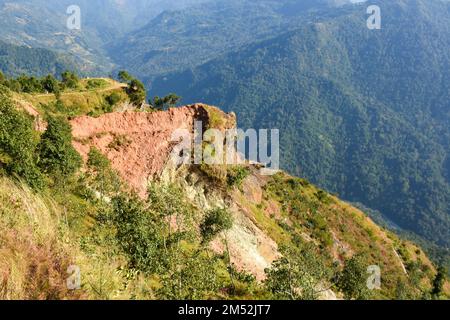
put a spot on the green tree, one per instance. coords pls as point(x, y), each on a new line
point(57, 155)
point(136, 92)
point(439, 281)
point(300, 274)
point(30, 84)
point(168, 101)
point(50, 84)
point(139, 234)
point(102, 177)
point(171, 100)
point(70, 80)
point(352, 281)
point(18, 143)
point(124, 76)
point(157, 103)
point(135, 89)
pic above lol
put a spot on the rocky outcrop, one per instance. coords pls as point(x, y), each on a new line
point(138, 144)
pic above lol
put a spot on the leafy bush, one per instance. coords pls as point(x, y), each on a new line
point(143, 229)
point(323, 197)
point(352, 280)
point(236, 175)
point(217, 173)
point(18, 143)
point(138, 233)
point(96, 83)
point(70, 80)
point(101, 176)
point(297, 275)
point(113, 99)
point(57, 155)
point(191, 280)
point(97, 161)
point(215, 222)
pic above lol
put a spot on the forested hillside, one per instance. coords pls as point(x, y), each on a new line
point(17, 60)
point(364, 113)
point(43, 24)
point(181, 39)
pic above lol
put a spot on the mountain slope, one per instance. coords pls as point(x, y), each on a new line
point(368, 110)
point(17, 60)
point(180, 39)
point(43, 24)
point(154, 246)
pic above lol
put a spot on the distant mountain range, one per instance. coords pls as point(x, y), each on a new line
point(176, 40)
point(43, 24)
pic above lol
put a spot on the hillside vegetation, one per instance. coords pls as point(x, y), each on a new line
point(17, 60)
point(181, 39)
point(59, 213)
point(368, 109)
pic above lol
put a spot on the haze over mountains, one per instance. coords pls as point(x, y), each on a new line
point(43, 24)
point(364, 113)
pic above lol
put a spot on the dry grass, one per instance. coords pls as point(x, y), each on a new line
point(37, 247)
point(33, 257)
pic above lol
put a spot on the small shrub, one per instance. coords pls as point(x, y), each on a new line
point(97, 161)
point(236, 175)
point(323, 197)
point(216, 173)
point(113, 99)
point(96, 83)
point(120, 141)
point(215, 222)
